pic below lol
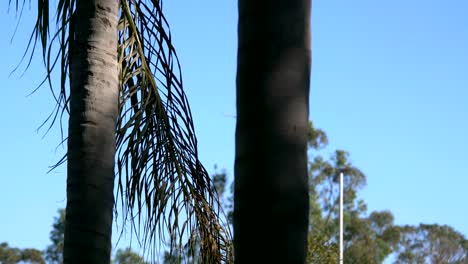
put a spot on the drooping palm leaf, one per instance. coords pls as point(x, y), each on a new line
point(156, 139)
point(163, 187)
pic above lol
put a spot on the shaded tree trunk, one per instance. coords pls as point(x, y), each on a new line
point(273, 73)
point(91, 139)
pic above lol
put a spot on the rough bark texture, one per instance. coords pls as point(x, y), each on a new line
point(271, 191)
point(91, 138)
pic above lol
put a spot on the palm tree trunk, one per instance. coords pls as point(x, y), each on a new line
point(91, 139)
point(273, 73)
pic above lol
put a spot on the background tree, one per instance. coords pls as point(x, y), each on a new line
point(127, 256)
point(320, 248)
point(9, 255)
point(433, 243)
point(118, 55)
point(372, 238)
point(368, 239)
point(225, 195)
point(54, 252)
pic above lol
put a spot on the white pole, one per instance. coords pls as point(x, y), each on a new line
point(341, 218)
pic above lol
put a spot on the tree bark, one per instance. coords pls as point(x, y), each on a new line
point(273, 73)
point(91, 137)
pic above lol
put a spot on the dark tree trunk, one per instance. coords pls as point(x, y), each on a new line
point(273, 73)
point(91, 138)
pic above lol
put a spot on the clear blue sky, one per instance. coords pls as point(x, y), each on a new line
point(389, 85)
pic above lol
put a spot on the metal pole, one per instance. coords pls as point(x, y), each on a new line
point(341, 218)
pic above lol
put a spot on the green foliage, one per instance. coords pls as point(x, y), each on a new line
point(9, 255)
point(32, 256)
point(324, 180)
point(127, 256)
point(316, 137)
point(367, 239)
point(321, 250)
point(188, 255)
point(370, 240)
point(220, 182)
point(179, 258)
point(431, 244)
point(53, 253)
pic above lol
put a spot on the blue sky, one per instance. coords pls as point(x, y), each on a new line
point(389, 84)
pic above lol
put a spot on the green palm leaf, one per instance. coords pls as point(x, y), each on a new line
point(156, 138)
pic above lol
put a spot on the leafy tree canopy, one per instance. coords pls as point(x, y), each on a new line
point(431, 244)
point(367, 238)
point(53, 253)
point(11, 255)
point(127, 256)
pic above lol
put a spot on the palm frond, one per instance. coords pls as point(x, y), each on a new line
point(156, 140)
point(164, 189)
point(54, 51)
